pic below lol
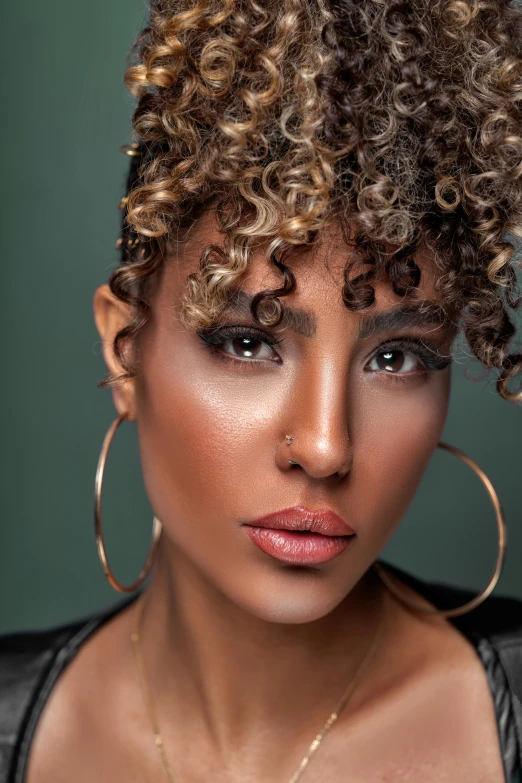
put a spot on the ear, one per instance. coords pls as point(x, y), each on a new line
point(110, 315)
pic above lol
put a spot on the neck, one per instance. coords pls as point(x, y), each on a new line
point(228, 673)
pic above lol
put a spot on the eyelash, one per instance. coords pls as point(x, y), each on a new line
point(428, 355)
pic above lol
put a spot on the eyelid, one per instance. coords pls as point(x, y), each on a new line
point(214, 335)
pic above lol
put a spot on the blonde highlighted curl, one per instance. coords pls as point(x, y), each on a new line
point(401, 119)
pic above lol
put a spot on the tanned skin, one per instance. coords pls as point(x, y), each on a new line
point(246, 656)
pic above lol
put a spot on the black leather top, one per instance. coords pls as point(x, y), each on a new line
point(31, 662)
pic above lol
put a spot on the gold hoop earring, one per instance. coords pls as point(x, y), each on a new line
point(501, 555)
point(156, 533)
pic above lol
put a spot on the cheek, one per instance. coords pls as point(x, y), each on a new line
point(395, 434)
point(188, 441)
point(206, 443)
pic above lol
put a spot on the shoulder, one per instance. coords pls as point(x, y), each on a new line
point(30, 664)
point(494, 629)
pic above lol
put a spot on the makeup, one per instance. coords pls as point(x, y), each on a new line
point(301, 536)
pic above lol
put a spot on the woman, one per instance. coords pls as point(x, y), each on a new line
point(320, 198)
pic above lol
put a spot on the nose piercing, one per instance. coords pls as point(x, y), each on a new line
point(289, 439)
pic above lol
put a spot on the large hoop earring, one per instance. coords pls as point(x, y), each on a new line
point(501, 555)
point(156, 532)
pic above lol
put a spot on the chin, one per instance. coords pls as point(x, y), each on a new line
point(289, 594)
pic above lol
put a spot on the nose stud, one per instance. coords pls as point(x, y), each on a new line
point(289, 439)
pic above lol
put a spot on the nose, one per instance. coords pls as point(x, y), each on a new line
point(318, 419)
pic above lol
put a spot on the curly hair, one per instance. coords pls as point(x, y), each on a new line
point(402, 119)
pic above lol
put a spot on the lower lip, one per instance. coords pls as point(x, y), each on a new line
point(289, 546)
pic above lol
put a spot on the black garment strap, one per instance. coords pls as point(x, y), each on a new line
point(509, 649)
point(30, 665)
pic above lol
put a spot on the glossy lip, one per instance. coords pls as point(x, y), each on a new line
point(322, 520)
point(301, 536)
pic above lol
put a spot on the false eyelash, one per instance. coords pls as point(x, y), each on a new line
point(214, 336)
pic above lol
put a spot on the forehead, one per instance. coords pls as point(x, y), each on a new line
point(320, 269)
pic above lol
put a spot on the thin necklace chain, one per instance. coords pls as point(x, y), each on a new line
point(158, 738)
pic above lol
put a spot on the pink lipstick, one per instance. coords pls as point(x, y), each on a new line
point(300, 535)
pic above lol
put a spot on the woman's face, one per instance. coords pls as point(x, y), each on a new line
point(365, 415)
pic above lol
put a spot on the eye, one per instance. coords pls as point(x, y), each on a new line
point(395, 360)
point(242, 344)
point(408, 357)
point(247, 348)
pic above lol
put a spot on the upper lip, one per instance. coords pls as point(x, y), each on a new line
point(321, 520)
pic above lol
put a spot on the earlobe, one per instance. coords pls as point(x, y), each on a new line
point(111, 315)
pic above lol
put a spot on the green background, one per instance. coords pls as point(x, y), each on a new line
point(64, 114)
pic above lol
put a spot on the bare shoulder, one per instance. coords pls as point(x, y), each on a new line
point(455, 704)
point(77, 724)
point(427, 712)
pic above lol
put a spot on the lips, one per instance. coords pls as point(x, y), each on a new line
point(300, 535)
point(323, 521)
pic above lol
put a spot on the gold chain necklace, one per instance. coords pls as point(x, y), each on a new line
point(158, 739)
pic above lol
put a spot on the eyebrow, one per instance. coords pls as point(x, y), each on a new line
point(300, 321)
point(424, 314)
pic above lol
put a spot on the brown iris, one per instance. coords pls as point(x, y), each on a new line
point(249, 345)
point(390, 360)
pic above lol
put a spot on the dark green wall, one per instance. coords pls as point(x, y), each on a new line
point(64, 114)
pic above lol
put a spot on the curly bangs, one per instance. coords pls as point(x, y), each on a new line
point(399, 120)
